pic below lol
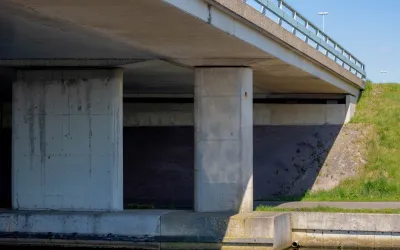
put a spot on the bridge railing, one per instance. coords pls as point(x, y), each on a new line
point(290, 19)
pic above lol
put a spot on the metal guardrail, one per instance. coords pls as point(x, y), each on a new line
point(296, 23)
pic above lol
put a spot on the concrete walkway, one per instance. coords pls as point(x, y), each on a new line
point(346, 205)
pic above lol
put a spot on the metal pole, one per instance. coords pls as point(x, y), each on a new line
point(383, 72)
point(323, 14)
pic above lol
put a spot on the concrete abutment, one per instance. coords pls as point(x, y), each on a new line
point(167, 131)
point(67, 155)
point(67, 140)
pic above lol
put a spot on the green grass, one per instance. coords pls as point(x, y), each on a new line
point(380, 180)
point(328, 210)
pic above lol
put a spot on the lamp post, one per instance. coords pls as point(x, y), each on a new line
point(383, 72)
point(323, 14)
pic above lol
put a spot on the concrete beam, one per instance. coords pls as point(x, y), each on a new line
point(181, 114)
point(109, 62)
point(255, 96)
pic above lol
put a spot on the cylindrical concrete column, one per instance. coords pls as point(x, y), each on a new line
point(67, 140)
point(223, 139)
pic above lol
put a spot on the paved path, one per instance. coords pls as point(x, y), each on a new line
point(348, 205)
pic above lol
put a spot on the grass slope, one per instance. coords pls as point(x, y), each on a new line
point(329, 210)
point(380, 180)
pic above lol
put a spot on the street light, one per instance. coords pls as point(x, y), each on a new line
point(383, 72)
point(323, 14)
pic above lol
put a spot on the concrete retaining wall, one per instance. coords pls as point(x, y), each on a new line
point(148, 229)
point(334, 230)
point(157, 229)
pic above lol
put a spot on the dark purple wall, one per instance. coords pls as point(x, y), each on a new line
point(5, 168)
point(158, 166)
point(287, 159)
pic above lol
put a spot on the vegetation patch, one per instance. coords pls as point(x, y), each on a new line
point(328, 210)
point(379, 180)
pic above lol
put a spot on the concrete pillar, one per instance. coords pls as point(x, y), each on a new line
point(351, 103)
point(67, 140)
point(223, 139)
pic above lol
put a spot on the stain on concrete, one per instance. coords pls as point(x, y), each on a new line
point(88, 103)
point(42, 124)
point(30, 119)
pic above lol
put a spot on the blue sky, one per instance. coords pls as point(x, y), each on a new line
point(369, 29)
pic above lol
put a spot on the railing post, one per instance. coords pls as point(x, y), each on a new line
point(294, 17)
point(307, 24)
point(280, 5)
point(317, 31)
point(326, 40)
point(263, 10)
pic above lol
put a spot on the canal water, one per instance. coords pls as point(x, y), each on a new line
point(81, 248)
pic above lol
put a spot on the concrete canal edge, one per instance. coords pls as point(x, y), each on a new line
point(147, 229)
point(346, 230)
point(161, 229)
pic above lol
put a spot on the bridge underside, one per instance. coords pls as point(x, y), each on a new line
point(158, 43)
point(141, 95)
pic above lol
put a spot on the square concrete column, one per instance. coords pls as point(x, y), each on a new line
point(223, 139)
point(351, 104)
point(67, 140)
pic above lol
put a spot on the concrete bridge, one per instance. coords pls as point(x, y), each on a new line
point(100, 95)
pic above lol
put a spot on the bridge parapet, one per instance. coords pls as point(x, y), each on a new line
point(288, 18)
